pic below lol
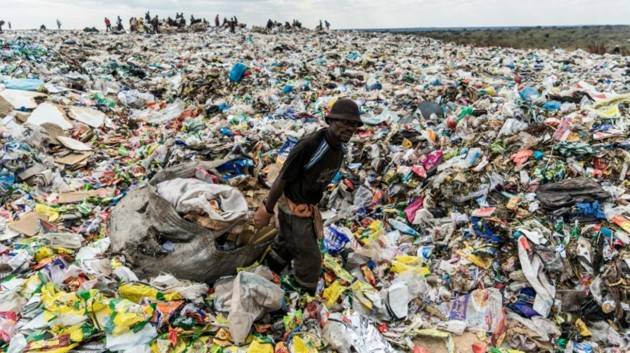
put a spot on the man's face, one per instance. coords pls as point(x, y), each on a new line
point(343, 129)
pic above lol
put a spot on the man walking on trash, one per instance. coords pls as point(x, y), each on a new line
point(297, 190)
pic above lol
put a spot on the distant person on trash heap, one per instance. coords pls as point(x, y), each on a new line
point(297, 190)
point(108, 25)
point(232, 25)
point(58, 24)
point(155, 24)
point(119, 25)
point(1, 24)
point(217, 23)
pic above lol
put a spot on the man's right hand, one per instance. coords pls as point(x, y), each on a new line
point(262, 217)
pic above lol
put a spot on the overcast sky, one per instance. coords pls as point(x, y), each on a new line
point(341, 13)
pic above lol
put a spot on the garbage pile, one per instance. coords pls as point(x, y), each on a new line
point(483, 207)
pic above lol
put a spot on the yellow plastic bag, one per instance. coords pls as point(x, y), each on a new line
point(298, 345)
point(78, 333)
point(46, 211)
point(62, 308)
point(59, 302)
point(609, 108)
point(374, 231)
point(490, 91)
point(582, 328)
point(333, 292)
point(260, 347)
point(405, 263)
point(136, 292)
point(362, 292)
point(43, 253)
point(479, 261)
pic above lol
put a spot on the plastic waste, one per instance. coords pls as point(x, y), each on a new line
point(481, 206)
point(237, 72)
point(24, 84)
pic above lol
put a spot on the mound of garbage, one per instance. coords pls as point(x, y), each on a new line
point(483, 206)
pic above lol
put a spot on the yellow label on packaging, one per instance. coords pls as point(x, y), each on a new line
point(582, 328)
point(260, 347)
point(332, 293)
point(331, 264)
point(59, 302)
point(136, 292)
point(128, 314)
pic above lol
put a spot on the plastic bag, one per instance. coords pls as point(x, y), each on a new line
point(237, 72)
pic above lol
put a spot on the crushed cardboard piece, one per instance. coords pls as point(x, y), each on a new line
point(53, 131)
point(87, 115)
point(73, 144)
point(20, 99)
point(5, 107)
point(28, 224)
point(49, 113)
point(73, 158)
point(32, 171)
point(78, 196)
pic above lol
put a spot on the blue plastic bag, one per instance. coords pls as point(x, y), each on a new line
point(235, 167)
point(482, 230)
point(237, 72)
point(287, 89)
point(590, 210)
point(334, 240)
point(226, 132)
point(552, 105)
point(529, 93)
point(524, 305)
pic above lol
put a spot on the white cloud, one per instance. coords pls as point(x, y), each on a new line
point(341, 13)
